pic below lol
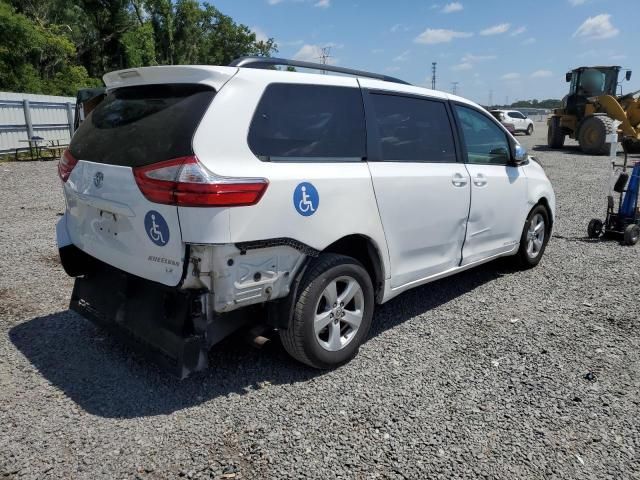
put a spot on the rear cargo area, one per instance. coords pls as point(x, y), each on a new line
point(108, 216)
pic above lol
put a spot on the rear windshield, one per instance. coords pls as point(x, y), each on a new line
point(137, 126)
point(497, 115)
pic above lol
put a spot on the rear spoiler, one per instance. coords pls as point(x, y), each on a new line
point(213, 76)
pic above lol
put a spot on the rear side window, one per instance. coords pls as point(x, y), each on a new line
point(413, 129)
point(308, 123)
point(137, 126)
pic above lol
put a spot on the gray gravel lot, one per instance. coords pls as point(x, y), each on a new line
point(493, 373)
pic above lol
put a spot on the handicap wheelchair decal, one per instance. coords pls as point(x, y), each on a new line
point(156, 228)
point(306, 199)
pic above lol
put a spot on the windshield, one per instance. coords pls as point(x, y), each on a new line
point(595, 82)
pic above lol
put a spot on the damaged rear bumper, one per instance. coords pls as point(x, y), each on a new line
point(174, 328)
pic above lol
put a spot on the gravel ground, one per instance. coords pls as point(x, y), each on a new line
point(491, 374)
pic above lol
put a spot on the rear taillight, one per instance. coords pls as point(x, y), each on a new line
point(66, 164)
point(187, 183)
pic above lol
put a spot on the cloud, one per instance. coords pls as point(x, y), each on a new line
point(403, 57)
point(462, 66)
point(323, 4)
point(511, 76)
point(260, 35)
point(399, 27)
point(529, 41)
point(518, 31)
point(432, 36)
point(597, 28)
point(310, 53)
point(542, 74)
point(496, 29)
point(452, 7)
point(274, 2)
point(575, 3)
point(477, 58)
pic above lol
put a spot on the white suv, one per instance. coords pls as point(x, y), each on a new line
point(201, 198)
point(514, 121)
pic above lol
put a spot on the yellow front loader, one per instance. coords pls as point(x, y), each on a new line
point(589, 111)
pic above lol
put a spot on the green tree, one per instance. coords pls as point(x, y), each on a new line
point(58, 46)
point(35, 58)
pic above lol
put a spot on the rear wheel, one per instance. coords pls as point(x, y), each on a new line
point(534, 237)
point(593, 135)
point(555, 135)
point(332, 314)
point(529, 129)
point(631, 234)
point(594, 230)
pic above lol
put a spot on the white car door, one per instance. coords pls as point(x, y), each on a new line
point(498, 190)
point(422, 191)
point(517, 120)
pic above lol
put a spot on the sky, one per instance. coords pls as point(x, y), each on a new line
point(499, 49)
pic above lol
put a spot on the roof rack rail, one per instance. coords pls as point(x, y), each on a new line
point(266, 62)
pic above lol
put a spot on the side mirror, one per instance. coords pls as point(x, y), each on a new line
point(520, 155)
point(627, 75)
point(568, 76)
point(500, 153)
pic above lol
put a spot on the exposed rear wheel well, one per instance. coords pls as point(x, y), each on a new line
point(364, 250)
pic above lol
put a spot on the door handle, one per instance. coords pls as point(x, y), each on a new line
point(480, 180)
point(458, 180)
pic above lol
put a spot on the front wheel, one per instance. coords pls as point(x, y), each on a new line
point(332, 313)
point(593, 134)
point(529, 129)
point(594, 230)
point(534, 237)
point(631, 234)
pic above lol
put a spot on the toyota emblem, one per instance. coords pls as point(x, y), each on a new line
point(98, 178)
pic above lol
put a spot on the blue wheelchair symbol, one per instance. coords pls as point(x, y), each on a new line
point(306, 199)
point(156, 227)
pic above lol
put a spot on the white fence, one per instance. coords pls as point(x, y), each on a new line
point(25, 115)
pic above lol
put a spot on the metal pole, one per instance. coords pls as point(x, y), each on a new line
point(433, 75)
point(27, 117)
point(70, 118)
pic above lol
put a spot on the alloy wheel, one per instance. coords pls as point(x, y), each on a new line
point(535, 235)
point(339, 313)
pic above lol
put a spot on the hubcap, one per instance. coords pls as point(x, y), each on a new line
point(339, 313)
point(535, 235)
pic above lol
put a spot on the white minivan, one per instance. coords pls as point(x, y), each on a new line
point(202, 198)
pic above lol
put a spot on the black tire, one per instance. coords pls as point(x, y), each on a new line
point(631, 234)
point(525, 258)
point(631, 146)
point(555, 135)
point(594, 230)
point(529, 130)
point(592, 136)
point(300, 339)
